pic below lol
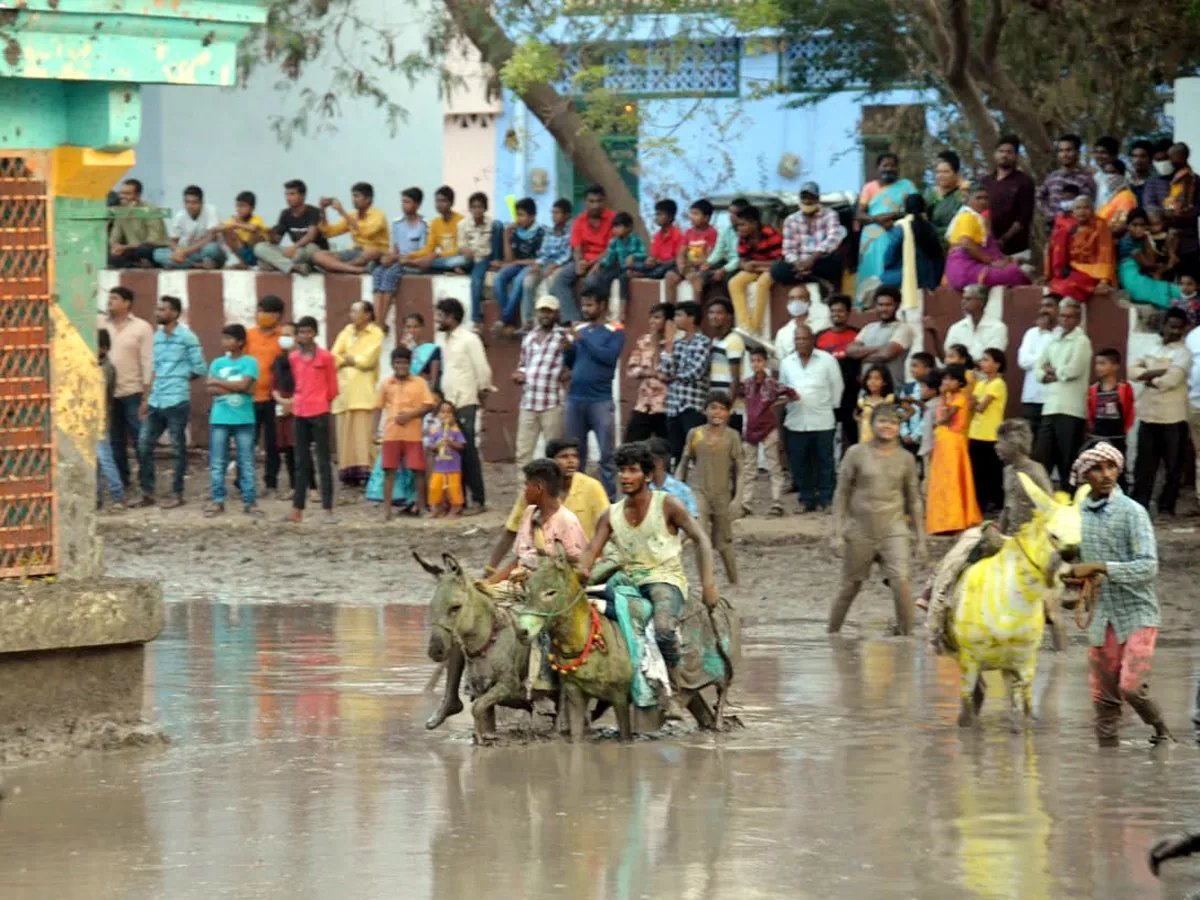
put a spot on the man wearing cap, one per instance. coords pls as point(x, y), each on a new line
point(811, 238)
point(541, 373)
point(1118, 547)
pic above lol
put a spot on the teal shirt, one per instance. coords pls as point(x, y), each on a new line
point(233, 409)
point(620, 249)
point(725, 250)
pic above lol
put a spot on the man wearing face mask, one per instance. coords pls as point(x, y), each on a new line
point(1158, 185)
point(811, 238)
point(801, 311)
point(1050, 195)
point(263, 344)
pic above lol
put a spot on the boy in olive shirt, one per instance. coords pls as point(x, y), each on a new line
point(716, 450)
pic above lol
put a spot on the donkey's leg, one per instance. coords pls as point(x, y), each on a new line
point(624, 718)
point(576, 704)
point(1012, 680)
point(1026, 672)
point(967, 684)
point(483, 710)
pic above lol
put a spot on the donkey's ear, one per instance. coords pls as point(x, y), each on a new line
point(1044, 503)
point(1082, 493)
point(560, 552)
point(435, 571)
point(452, 565)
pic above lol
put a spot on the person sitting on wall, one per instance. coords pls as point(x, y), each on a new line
point(367, 226)
point(812, 237)
point(1080, 254)
point(302, 224)
point(244, 231)
point(136, 231)
point(590, 234)
point(193, 234)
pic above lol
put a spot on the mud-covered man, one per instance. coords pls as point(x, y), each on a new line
point(877, 495)
point(646, 530)
point(1119, 547)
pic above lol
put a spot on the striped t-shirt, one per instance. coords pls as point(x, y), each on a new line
point(727, 353)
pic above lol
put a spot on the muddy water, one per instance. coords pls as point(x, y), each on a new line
point(299, 769)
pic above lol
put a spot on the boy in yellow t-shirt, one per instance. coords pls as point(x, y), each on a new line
point(243, 231)
point(989, 397)
point(441, 253)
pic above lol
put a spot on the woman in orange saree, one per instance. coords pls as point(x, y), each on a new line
point(951, 506)
point(1123, 200)
point(1081, 255)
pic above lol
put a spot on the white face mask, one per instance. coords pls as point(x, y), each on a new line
point(287, 342)
point(797, 308)
point(1164, 167)
point(1065, 205)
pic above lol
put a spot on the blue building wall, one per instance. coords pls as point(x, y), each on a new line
point(720, 145)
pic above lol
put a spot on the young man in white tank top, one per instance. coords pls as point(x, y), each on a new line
point(646, 529)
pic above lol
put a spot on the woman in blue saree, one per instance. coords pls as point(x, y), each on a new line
point(880, 205)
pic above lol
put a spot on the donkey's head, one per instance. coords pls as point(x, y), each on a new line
point(452, 588)
point(549, 591)
point(1059, 515)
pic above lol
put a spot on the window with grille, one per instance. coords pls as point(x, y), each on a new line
point(708, 68)
point(815, 63)
point(28, 543)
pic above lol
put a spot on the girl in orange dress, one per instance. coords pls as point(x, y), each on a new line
point(951, 506)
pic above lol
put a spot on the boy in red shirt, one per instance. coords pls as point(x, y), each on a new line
point(315, 374)
point(664, 245)
point(696, 247)
point(590, 234)
point(1110, 408)
point(404, 399)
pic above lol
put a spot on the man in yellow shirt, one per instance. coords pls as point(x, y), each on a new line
point(441, 252)
point(582, 495)
point(366, 225)
point(243, 231)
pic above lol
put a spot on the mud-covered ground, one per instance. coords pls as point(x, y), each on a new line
point(787, 571)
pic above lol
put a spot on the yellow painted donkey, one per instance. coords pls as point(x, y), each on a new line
point(998, 612)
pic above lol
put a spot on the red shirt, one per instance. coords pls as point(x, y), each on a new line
point(592, 240)
point(768, 247)
point(316, 382)
point(700, 243)
point(666, 244)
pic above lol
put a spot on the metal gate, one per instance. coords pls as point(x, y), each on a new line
point(28, 532)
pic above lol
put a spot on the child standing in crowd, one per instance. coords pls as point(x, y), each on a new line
point(231, 384)
point(445, 441)
point(403, 399)
point(243, 231)
point(717, 451)
point(695, 247)
point(989, 397)
point(952, 505)
point(441, 253)
point(626, 252)
point(649, 416)
point(106, 466)
point(877, 390)
point(1188, 301)
point(930, 389)
point(1111, 408)
point(522, 244)
point(283, 387)
point(763, 395)
point(912, 405)
point(314, 374)
point(555, 253)
point(664, 245)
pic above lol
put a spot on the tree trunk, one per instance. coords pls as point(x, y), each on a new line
point(474, 21)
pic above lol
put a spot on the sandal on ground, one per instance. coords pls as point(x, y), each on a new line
point(213, 510)
point(253, 512)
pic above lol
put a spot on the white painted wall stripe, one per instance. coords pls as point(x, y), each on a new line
point(174, 283)
point(240, 290)
point(105, 282)
point(308, 299)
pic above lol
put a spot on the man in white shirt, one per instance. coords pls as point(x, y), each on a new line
point(192, 231)
point(973, 331)
point(1193, 345)
point(466, 382)
point(1064, 368)
point(804, 307)
point(816, 378)
point(1162, 410)
point(887, 340)
point(1033, 393)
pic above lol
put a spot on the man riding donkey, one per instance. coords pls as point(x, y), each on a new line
point(644, 532)
point(1014, 444)
point(1118, 548)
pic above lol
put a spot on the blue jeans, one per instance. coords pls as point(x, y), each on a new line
point(124, 427)
point(107, 473)
point(449, 263)
point(218, 460)
point(210, 251)
point(563, 287)
point(173, 419)
point(597, 417)
point(509, 287)
point(810, 457)
point(667, 602)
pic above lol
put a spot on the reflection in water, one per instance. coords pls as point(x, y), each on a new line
point(300, 769)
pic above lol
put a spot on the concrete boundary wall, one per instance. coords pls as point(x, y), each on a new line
point(213, 299)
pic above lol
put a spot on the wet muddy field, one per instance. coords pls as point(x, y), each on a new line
point(291, 680)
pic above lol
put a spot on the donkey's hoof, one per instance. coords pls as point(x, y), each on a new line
point(966, 716)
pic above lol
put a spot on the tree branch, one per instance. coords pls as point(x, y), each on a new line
point(990, 43)
point(960, 42)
